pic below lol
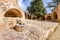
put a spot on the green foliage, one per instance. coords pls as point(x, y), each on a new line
point(37, 8)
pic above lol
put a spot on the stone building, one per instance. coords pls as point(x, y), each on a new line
point(48, 16)
point(55, 15)
point(9, 8)
point(30, 16)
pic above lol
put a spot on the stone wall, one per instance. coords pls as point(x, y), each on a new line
point(7, 6)
point(55, 15)
point(15, 2)
point(48, 16)
point(30, 16)
point(25, 29)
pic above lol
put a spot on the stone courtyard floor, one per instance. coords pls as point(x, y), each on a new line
point(23, 29)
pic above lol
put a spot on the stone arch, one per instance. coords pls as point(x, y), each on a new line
point(55, 15)
point(25, 15)
point(49, 18)
point(33, 18)
point(13, 13)
point(29, 16)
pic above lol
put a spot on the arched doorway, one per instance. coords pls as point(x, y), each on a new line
point(55, 15)
point(13, 13)
point(33, 18)
point(30, 17)
point(48, 17)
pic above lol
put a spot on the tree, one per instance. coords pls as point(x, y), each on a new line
point(37, 8)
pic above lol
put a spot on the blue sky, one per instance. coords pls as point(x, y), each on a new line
point(25, 3)
point(45, 4)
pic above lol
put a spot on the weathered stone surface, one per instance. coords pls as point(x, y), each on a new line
point(7, 23)
point(10, 1)
point(13, 35)
point(25, 29)
point(19, 28)
point(55, 35)
point(42, 28)
point(8, 9)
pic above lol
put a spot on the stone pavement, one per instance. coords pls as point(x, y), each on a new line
point(23, 29)
point(44, 27)
point(55, 35)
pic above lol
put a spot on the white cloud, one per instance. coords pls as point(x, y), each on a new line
point(22, 5)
